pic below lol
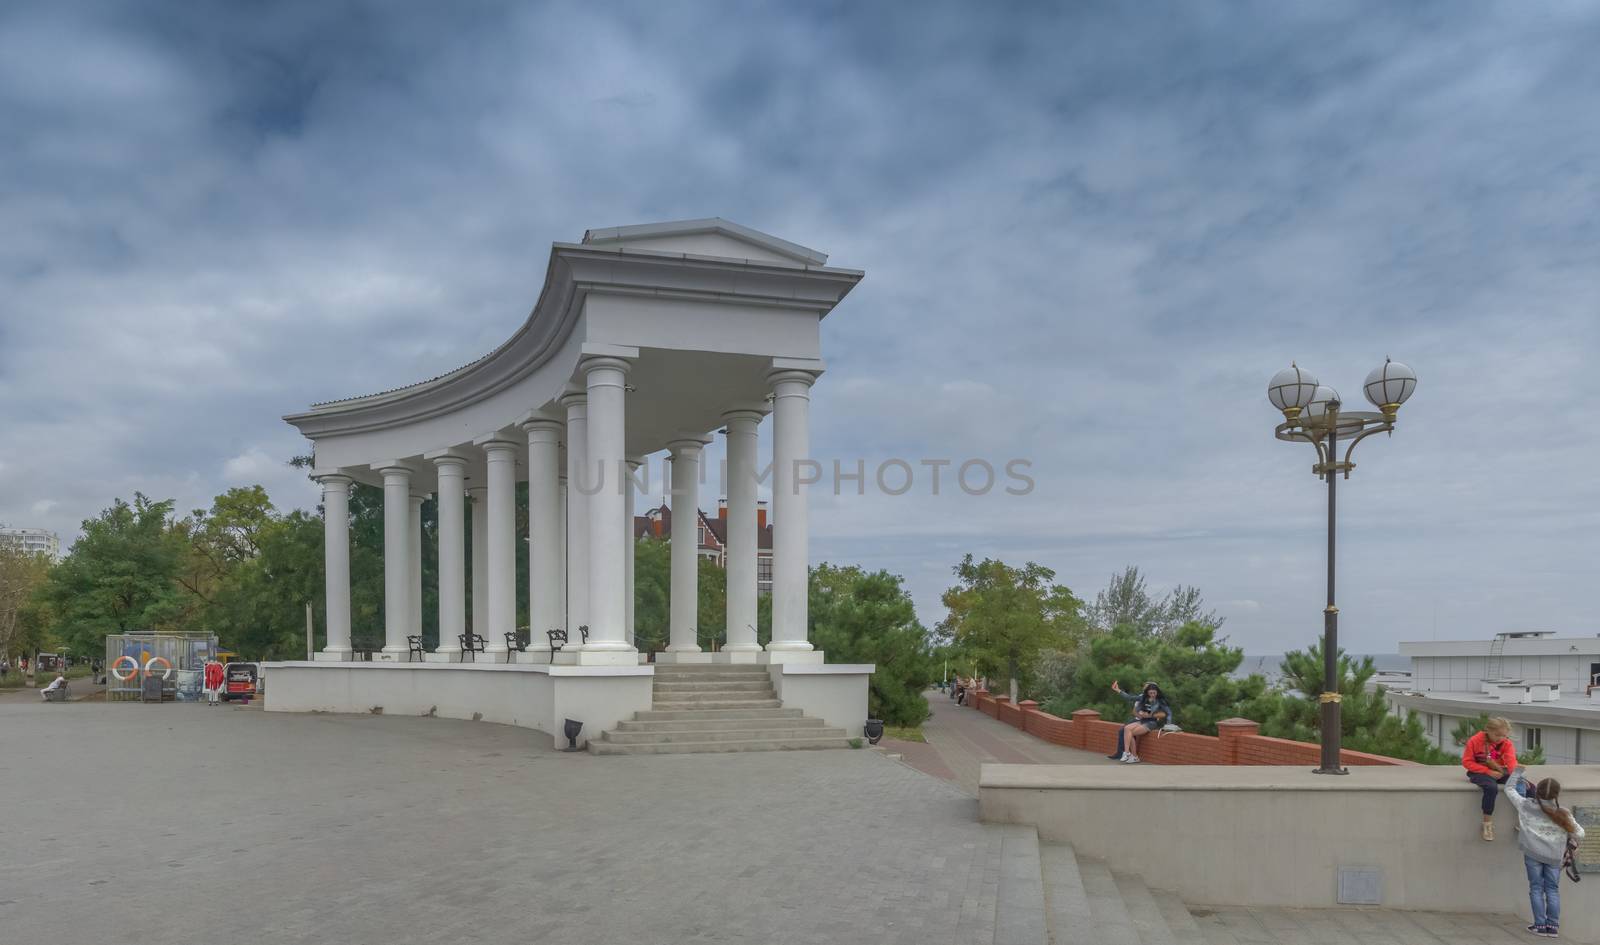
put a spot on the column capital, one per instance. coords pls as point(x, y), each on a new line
point(789, 377)
point(575, 397)
point(496, 443)
point(543, 430)
point(395, 472)
point(454, 456)
point(688, 444)
point(334, 482)
point(417, 498)
point(743, 415)
point(602, 365)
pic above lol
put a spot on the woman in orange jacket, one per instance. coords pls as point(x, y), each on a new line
point(1490, 760)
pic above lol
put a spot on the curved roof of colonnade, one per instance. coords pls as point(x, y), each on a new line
point(683, 299)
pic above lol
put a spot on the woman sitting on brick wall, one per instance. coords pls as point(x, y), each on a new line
point(1150, 712)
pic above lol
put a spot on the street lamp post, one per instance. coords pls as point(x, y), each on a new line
point(1313, 414)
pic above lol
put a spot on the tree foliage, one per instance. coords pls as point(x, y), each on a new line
point(1127, 602)
point(1002, 618)
point(23, 617)
point(1365, 722)
point(1191, 667)
point(120, 576)
point(858, 616)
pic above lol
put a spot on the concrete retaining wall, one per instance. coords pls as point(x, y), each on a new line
point(1277, 836)
point(539, 697)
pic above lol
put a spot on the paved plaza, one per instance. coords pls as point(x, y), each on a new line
point(960, 740)
point(180, 824)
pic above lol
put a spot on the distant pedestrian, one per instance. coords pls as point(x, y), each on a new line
point(213, 681)
point(1548, 830)
point(1490, 759)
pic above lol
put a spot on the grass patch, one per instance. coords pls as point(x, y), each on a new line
point(905, 733)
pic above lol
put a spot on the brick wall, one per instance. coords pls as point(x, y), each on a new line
point(1237, 742)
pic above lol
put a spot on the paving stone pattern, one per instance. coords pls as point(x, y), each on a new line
point(132, 823)
point(182, 824)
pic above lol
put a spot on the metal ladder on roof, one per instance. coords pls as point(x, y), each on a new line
point(1494, 668)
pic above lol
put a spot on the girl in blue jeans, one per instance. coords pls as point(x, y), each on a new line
point(1546, 828)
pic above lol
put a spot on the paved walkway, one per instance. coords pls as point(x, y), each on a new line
point(182, 824)
point(960, 740)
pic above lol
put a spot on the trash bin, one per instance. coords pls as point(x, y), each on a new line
point(151, 688)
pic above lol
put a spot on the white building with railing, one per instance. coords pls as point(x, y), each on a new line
point(1545, 685)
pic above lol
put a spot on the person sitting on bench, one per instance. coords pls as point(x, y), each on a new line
point(60, 682)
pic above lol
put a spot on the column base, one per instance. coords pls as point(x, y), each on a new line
point(778, 657)
point(442, 656)
point(684, 656)
point(535, 657)
point(565, 657)
point(342, 655)
point(392, 655)
point(737, 656)
point(589, 656)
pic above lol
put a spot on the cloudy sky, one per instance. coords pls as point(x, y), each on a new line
point(1091, 233)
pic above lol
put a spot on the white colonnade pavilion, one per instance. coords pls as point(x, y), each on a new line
point(644, 339)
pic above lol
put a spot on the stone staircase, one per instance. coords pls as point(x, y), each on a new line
point(1047, 895)
point(715, 707)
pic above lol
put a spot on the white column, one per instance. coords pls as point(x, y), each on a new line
point(685, 599)
point(741, 643)
point(545, 548)
point(452, 554)
point(336, 564)
point(604, 471)
point(634, 462)
point(561, 560)
point(502, 456)
point(577, 407)
point(791, 454)
point(396, 560)
point(480, 561)
point(414, 578)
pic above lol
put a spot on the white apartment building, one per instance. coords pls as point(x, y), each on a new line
point(33, 541)
point(1543, 684)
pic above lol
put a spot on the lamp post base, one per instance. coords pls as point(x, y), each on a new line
point(1330, 770)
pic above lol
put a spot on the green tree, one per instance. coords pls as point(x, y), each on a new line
point(652, 590)
point(1192, 668)
point(120, 576)
point(1466, 728)
point(1004, 617)
point(1365, 722)
point(1127, 602)
point(23, 614)
point(259, 604)
point(857, 616)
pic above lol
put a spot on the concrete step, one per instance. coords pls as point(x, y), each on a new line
point(1019, 914)
point(1108, 914)
point(719, 724)
point(769, 709)
point(690, 705)
point(663, 736)
point(1066, 902)
point(1185, 930)
point(1143, 910)
point(713, 685)
point(599, 746)
point(701, 669)
point(712, 695)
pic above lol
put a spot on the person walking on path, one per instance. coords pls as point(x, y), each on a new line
point(212, 681)
point(1490, 759)
point(1547, 829)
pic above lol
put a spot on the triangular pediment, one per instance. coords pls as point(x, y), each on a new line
point(709, 237)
